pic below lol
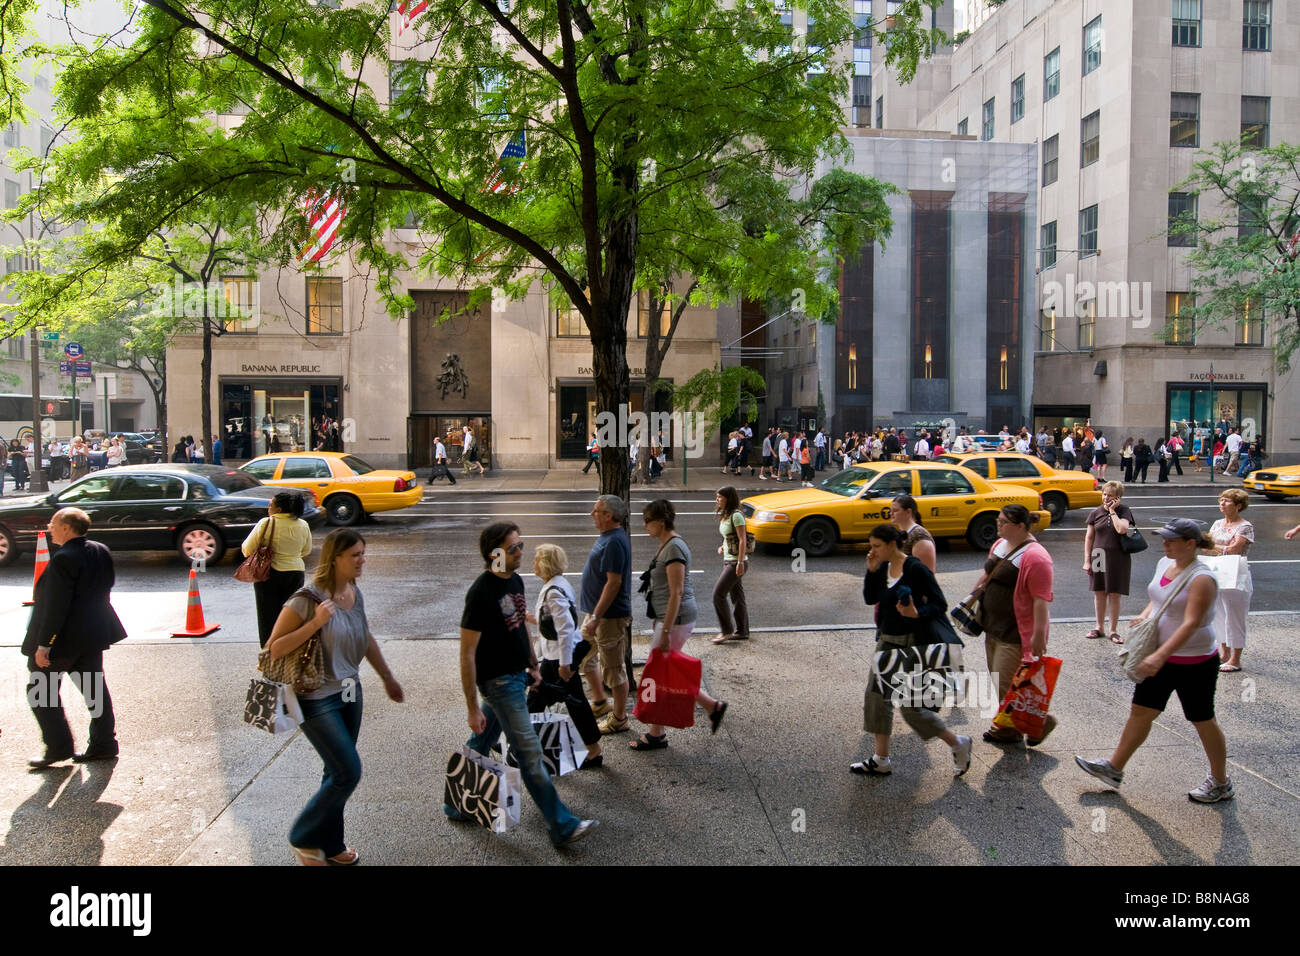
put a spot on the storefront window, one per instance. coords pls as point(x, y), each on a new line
point(260, 417)
point(576, 419)
point(1200, 411)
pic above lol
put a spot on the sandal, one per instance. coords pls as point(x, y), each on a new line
point(723, 638)
point(1094, 634)
point(649, 742)
point(348, 857)
point(1116, 639)
point(308, 857)
point(1228, 668)
point(715, 718)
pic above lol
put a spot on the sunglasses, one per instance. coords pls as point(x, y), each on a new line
point(515, 548)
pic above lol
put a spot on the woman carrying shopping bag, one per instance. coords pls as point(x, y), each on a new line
point(333, 605)
point(289, 538)
point(909, 602)
point(1233, 535)
point(1185, 661)
point(672, 608)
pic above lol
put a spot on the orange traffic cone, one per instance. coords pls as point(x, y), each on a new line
point(42, 560)
point(194, 625)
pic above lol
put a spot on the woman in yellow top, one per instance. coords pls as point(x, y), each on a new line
point(290, 540)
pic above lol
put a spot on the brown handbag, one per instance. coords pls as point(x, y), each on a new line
point(304, 667)
point(257, 566)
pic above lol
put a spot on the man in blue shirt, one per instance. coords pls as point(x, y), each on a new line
point(607, 600)
point(216, 449)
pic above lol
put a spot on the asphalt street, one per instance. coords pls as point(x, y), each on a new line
point(421, 560)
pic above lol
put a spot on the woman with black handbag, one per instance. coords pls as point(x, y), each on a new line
point(289, 538)
point(332, 605)
point(912, 614)
point(1104, 559)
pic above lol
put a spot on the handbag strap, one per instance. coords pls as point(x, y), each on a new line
point(1183, 580)
point(270, 538)
point(979, 590)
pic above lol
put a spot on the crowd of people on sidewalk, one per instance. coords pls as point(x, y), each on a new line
point(580, 655)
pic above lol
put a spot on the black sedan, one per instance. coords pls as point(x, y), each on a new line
point(200, 510)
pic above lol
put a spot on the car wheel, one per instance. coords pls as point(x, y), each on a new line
point(200, 542)
point(343, 509)
point(1056, 505)
point(816, 536)
point(1271, 496)
point(982, 532)
point(8, 548)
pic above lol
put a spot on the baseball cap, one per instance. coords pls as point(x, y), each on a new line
point(1187, 528)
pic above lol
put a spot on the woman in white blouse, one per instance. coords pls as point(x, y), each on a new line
point(1233, 534)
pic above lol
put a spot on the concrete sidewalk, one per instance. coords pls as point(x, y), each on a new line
point(194, 785)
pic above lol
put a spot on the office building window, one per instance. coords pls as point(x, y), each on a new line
point(986, 131)
point(1179, 330)
point(880, 112)
point(1051, 74)
point(1256, 32)
point(1182, 219)
point(1018, 99)
point(1047, 244)
point(1051, 149)
point(963, 126)
point(1187, 23)
point(12, 193)
point(1185, 119)
point(1254, 121)
point(1251, 215)
point(324, 306)
point(569, 321)
point(11, 135)
point(1087, 232)
point(1047, 331)
point(643, 314)
point(1092, 46)
point(931, 272)
point(1090, 139)
point(1250, 327)
point(240, 304)
point(1087, 324)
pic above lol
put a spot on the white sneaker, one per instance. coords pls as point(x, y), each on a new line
point(762, 477)
point(961, 756)
point(1211, 791)
point(873, 766)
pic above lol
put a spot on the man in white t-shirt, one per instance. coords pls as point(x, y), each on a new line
point(1067, 451)
point(1233, 449)
point(1022, 445)
point(922, 449)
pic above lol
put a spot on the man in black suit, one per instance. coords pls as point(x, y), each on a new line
point(72, 624)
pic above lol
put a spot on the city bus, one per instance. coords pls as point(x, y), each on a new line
point(59, 416)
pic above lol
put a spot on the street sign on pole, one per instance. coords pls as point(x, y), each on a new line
point(67, 368)
point(83, 370)
point(73, 350)
point(50, 336)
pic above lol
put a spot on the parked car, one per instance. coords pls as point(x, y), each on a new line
point(344, 485)
point(201, 511)
point(952, 501)
point(1061, 490)
point(140, 448)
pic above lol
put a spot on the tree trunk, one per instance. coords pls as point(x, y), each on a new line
point(205, 382)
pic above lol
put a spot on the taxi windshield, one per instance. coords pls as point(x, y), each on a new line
point(849, 482)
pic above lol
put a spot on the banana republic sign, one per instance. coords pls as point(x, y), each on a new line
point(273, 369)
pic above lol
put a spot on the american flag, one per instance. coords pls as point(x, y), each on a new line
point(409, 10)
point(325, 215)
point(515, 156)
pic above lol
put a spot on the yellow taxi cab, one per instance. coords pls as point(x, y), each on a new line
point(953, 502)
point(1275, 484)
point(344, 485)
point(1061, 490)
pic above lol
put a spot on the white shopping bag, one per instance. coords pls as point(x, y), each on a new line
point(1230, 571)
point(484, 789)
point(271, 707)
point(562, 748)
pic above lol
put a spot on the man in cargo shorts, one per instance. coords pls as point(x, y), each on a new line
point(606, 597)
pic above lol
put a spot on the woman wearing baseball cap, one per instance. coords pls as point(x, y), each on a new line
point(1186, 662)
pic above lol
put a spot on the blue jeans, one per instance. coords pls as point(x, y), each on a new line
point(332, 725)
point(505, 705)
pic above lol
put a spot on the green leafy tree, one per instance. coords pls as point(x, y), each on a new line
point(663, 140)
point(1246, 235)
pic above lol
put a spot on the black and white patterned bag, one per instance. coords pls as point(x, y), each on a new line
point(484, 789)
point(562, 749)
point(271, 707)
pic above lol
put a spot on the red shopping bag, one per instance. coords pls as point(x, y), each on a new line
point(1025, 706)
point(666, 694)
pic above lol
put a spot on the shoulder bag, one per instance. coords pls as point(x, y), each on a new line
point(647, 586)
point(968, 615)
point(303, 668)
point(1144, 638)
point(257, 566)
point(1131, 541)
point(733, 539)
